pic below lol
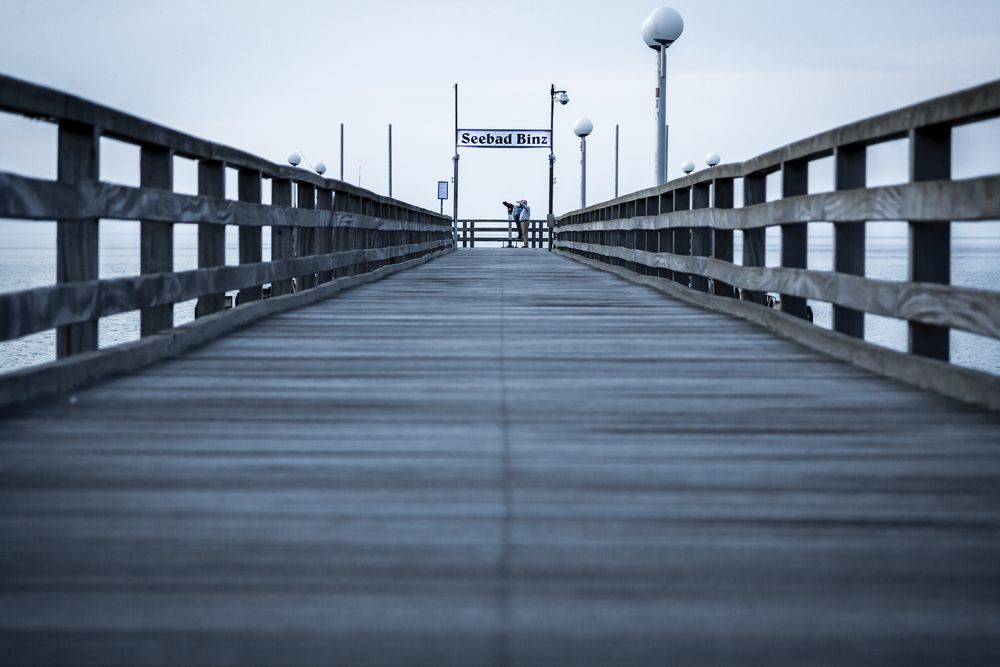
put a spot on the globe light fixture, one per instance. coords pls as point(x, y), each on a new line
point(660, 30)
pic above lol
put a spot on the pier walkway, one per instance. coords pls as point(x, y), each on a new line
point(499, 457)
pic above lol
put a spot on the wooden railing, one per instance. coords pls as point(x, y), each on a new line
point(471, 232)
point(335, 236)
point(679, 237)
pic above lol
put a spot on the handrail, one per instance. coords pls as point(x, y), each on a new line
point(471, 230)
point(334, 236)
point(679, 237)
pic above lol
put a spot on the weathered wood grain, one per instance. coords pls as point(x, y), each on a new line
point(28, 198)
point(975, 199)
point(42, 308)
point(973, 104)
point(77, 239)
point(584, 474)
point(37, 101)
point(973, 310)
point(72, 372)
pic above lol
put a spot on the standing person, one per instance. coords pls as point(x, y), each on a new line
point(510, 221)
point(516, 217)
point(524, 218)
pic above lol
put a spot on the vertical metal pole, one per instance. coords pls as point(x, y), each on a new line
point(583, 172)
point(454, 217)
point(616, 160)
point(341, 151)
point(390, 159)
point(552, 148)
point(661, 115)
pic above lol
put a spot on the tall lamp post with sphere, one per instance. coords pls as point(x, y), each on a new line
point(582, 128)
point(662, 28)
point(561, 97)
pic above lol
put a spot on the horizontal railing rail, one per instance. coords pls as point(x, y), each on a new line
point(471, 232)
point(679, 237)
point(325, 234)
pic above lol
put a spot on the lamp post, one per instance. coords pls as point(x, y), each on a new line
point(561, 97)
point(662, 28)
point(582, 128)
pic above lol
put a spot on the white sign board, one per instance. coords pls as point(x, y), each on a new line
point(503, 139)
point(442, 189)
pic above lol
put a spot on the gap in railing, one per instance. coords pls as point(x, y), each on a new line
point(974, 252)
point(886, 332)
point(819, 254)
point(118, 162)
point(232, 184)
point(887, 163)
point(27, 260)
point(117, 257)
point(184, 311)
point(974, 351)
point(821, 175)
point(975, 149)
point(29, 146)
point(185, 175)
point(887, 250)
point(774, 186)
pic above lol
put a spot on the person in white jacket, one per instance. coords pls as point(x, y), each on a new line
point(523, 220)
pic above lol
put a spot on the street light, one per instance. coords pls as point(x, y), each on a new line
point(712, 159)
point(662, 28)
point(687, 167)
point(582, 128)
point(563, 99)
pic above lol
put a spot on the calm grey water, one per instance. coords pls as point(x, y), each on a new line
point(27, 259)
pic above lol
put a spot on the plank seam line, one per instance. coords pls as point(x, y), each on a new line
point(502, 654)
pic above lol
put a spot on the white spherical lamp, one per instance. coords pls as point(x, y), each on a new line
point(582, 127)
point(662, 27)
point(712, 159)
point(294, 159)
point(320, 168)
point(687, 167)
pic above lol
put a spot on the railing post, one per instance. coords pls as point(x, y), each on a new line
point(76, 240)
point(281, 235)
point(156, 239)
point(306, 199)
point(665, 237)
point(472, 234)
point(682, 235)
point(324, 235)
point(930, 242)
point(211, 238)
point(754, 240)
point(251, 247)
point(794, 237)
point(701, 237)
point(722, 242)
point(849, 237)
point(341, 237)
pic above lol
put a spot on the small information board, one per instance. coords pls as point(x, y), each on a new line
point(442, 189)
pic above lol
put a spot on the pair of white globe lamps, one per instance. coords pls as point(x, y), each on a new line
point(295, 159)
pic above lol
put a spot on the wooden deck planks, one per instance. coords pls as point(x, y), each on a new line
point(504, 458)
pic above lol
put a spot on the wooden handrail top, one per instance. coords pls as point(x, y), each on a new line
point(35, 101)
point(971, 105)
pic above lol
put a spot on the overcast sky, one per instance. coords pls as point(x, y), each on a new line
point(271, 77)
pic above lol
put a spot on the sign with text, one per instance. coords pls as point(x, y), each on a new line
point(442, 189)
point(503, 139)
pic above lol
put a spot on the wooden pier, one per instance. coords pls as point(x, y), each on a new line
point(395, 451)
point(500, 457)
